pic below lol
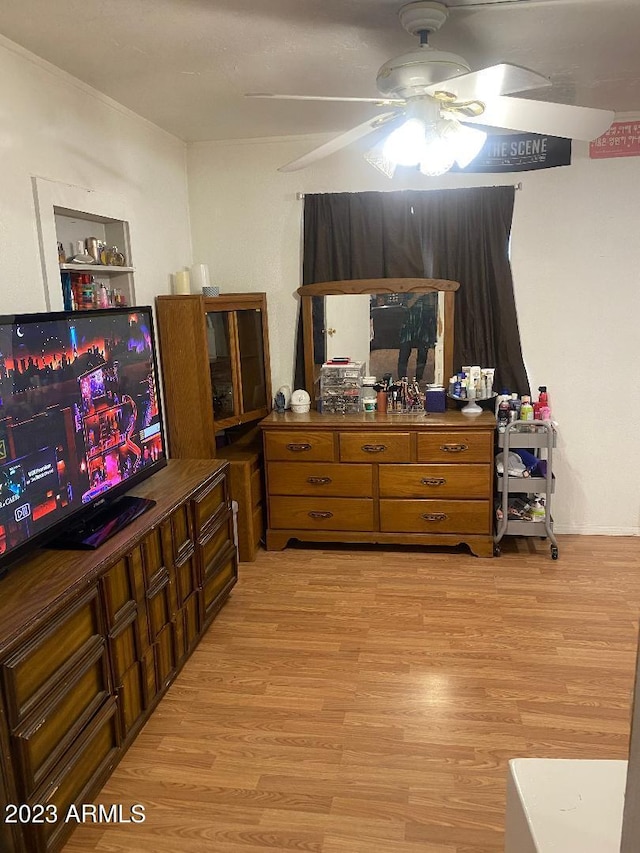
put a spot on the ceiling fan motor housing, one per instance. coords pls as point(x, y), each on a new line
point(423, 16)
point(411, 73)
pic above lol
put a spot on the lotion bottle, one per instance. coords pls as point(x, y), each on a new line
point(526, 409)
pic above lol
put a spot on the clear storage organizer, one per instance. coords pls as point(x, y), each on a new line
point(341, 387)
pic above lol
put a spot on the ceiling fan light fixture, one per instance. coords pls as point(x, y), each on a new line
point(437, 156)
point(433, 146)
point(404, 146)
point(466, 142)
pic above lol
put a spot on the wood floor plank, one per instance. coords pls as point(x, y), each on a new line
point(368, 700)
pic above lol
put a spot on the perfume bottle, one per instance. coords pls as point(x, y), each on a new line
point(81, 256)
point(116, 258)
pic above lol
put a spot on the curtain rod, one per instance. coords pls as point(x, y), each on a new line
point(518, 186)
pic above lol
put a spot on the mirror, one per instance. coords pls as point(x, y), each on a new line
point(402, 326)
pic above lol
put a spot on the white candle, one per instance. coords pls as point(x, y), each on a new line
point(200, 276)
point(181, 282)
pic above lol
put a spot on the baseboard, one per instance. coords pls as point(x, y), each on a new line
point(596, 531)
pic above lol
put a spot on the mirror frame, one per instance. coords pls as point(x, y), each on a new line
point(376, 285)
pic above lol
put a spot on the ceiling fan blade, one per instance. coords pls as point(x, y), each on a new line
point(380, 101)
point(544, 117)
point(502, 79)
point(341, 141)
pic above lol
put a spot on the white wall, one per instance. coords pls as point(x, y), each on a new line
point(54, 127)
point(576, 257)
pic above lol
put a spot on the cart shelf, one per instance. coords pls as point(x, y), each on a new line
point(540, 436)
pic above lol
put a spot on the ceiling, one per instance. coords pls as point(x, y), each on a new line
point(186, 64)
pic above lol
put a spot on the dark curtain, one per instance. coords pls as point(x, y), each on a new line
point(460, 234)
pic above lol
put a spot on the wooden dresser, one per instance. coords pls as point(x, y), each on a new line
point(90, 641)
point(396, 479)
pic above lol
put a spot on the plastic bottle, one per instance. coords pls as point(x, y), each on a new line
point(514, 405)
point(536, 511)
point(503, 413)
point(542, 404)
point(544, 413)
point(526, 409)
point(503, 395)
point(103, 296)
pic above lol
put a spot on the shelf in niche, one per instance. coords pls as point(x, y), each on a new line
point(101, 268)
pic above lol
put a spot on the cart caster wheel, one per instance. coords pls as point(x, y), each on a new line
point(496, 550)
point(554, 553)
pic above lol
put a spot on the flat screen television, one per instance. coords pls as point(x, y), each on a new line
point(80, 424)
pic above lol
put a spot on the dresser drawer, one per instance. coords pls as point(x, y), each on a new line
point(375, 447)
point(435, 481)
point(331, 479)
point(42, 663)
point(78, 779)
point(299, 446)
point(218, 581)
point(435, 516)
point(219, 540)
point(464, 446)
point(44, 738)
point(209, 503)
point(321, 513)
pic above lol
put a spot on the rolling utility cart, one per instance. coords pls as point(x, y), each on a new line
point(539, 438)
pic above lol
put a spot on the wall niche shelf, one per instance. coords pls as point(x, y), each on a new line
point(66, 214)
point(101, 268)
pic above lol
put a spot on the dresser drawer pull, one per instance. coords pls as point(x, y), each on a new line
point(374, 448)
point(454, 448)
point(313, 514)
point(319, 481)
point(435, 516)
point(298, 448)
point(433, 481)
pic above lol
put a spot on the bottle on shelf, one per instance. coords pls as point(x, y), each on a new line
point(503, 411)
point(80, 255)
point(104, 300)
point(115, 258)
point(526, 409)
point(91, 246)
point(541, 409)
point(504, 394)
point(514, 406)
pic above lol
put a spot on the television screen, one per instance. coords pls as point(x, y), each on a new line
point(80, 419)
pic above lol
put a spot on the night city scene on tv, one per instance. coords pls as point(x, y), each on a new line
point(79, 414)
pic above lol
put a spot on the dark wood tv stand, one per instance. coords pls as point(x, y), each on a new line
point(90, 641)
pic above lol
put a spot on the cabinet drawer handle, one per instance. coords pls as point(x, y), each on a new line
point(314, 514)
point(454, 448)
point(374, 448)
point(433, 481)
point(318, 481)
point(298, 448)
point(435, 516)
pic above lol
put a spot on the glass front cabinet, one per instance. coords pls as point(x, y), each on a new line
point(215, 365)
point(236, 352)
point(217, 387)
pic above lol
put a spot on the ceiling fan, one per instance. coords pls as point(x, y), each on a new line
point(433, 97)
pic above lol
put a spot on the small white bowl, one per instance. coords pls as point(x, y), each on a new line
point(300, 408)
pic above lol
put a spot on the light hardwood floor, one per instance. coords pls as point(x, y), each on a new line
point(367, 701)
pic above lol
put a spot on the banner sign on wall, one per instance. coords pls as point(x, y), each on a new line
point(621, 140)
point(520, 152)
